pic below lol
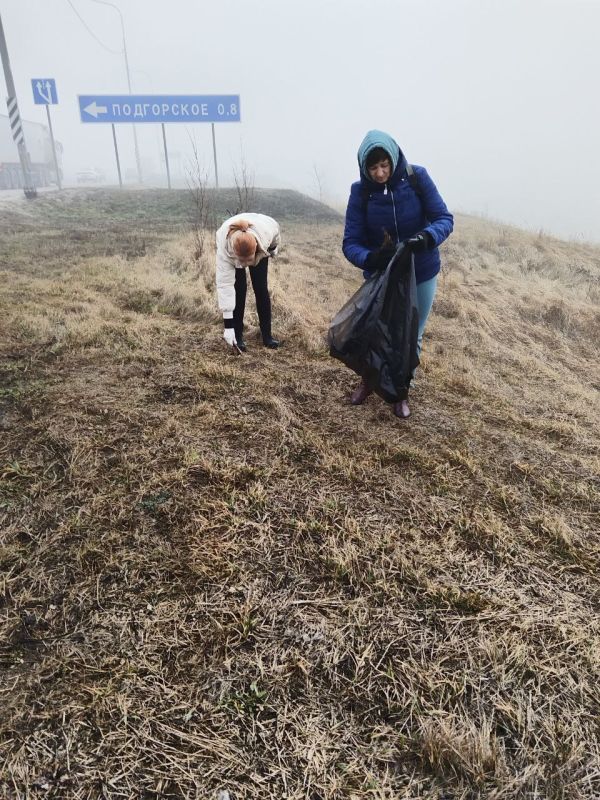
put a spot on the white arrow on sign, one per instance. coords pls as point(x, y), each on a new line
point(46, 97)
point(93, 110)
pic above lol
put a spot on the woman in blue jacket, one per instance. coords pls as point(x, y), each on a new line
point(401, 200)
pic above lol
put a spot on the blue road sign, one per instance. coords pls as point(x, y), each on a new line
point(159, 108)
point(44, 91)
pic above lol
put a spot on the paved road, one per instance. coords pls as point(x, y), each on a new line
point(17, 195)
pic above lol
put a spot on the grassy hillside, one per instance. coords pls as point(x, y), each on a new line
point(158, 210)
point(216, 575)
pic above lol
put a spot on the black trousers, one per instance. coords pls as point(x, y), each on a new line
point(258, 276)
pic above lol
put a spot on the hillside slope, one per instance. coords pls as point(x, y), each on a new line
point(216, 574)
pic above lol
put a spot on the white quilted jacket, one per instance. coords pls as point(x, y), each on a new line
point(266, 231)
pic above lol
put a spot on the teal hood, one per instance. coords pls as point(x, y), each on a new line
point(375, 139)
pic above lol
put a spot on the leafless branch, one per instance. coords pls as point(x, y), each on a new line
point(244, 184)
point(202, 212)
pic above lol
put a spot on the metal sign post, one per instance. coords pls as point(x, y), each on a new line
point(58, 180)
point(114, 133)
point(215, 155)
point(162, 125)
point(15, 120)
point(44, 94)
point(119, 108)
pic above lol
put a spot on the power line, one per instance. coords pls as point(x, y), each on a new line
point(91, 32)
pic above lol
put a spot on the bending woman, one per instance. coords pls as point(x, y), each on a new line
point(245, 240)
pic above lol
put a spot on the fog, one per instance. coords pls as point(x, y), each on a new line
point(497, 98)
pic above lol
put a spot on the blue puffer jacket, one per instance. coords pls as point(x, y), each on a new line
point(395, 207)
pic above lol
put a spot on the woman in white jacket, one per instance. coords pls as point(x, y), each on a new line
point(245, 240)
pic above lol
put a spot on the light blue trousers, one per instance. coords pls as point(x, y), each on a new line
point(425, 296)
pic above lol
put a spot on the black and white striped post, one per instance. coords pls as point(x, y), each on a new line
point(16, 125)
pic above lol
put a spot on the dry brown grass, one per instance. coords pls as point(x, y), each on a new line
point(216, 575)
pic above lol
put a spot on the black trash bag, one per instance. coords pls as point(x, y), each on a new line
point(375, 333)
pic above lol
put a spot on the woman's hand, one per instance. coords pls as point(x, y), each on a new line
point(377, 260)
point(420, 241)
point(229, 336)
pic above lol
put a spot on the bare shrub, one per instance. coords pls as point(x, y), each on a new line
point(202, 218)
point(243, 178)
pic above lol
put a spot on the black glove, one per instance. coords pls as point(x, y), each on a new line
point(377, 260)
point(420, 242)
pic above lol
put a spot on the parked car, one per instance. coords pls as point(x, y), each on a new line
point(90, 175)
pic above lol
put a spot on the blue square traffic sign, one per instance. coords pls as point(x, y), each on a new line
point(44, 91)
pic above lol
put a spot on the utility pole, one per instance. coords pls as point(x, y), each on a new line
point(138, 163)
point(15, 120)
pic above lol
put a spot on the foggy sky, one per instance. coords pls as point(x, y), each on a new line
point(497, 98)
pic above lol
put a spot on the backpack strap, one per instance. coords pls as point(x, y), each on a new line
point(413, 180)
point(364, 198)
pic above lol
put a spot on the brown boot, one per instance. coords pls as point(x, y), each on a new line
point(402, 409)
point(360, 394)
